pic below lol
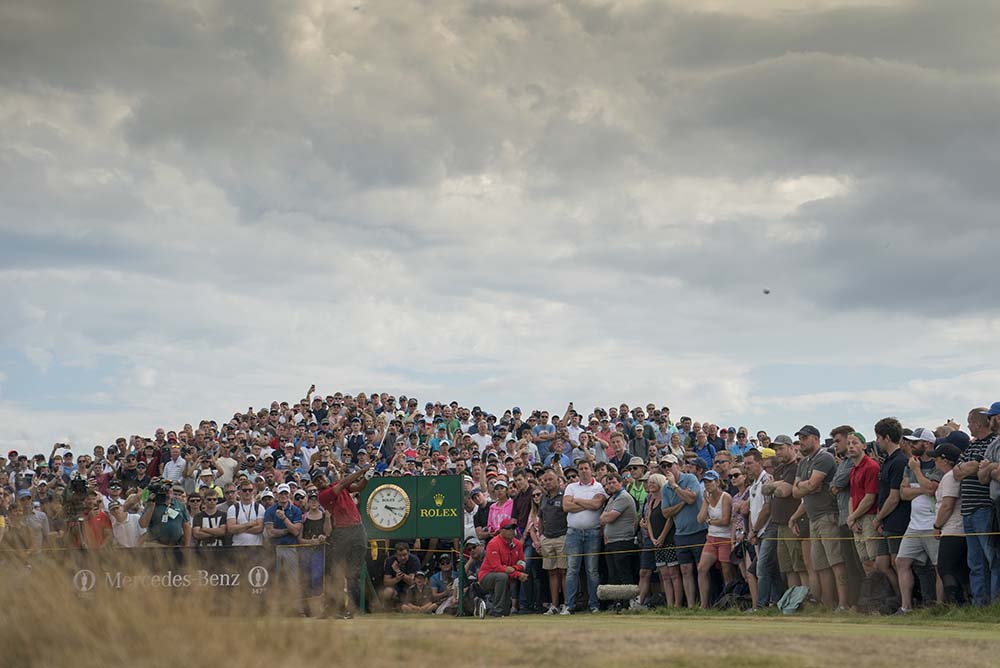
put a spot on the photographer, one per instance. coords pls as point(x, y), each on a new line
point(165, 518)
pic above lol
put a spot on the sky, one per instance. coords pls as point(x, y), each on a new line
point(210, 205)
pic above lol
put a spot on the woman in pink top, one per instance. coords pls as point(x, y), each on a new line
point(501, 509)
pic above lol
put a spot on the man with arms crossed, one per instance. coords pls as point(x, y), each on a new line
point(583, 501)
point(812, 485)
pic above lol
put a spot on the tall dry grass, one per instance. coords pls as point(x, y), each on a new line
point(47, 624)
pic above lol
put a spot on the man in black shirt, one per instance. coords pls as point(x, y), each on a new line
point(552, 520)
point(893, 513)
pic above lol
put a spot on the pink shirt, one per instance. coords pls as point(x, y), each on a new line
point(498, 513)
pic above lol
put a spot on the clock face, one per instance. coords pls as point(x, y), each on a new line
point(388, 507)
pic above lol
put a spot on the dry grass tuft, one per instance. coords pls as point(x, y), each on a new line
point(50, 625)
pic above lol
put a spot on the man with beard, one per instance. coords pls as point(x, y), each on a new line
point(919, 545)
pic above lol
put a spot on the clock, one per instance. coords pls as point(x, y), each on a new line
point(388, 507)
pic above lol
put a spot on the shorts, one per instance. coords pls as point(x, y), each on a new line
point(789, 551)
point(553, 551)
point(666, 556)
point(827, 548)
point(658, 558)
point(689, 547)
point(920, 546)
point(888, 546)
point(720, 548)
point(647, 558)
point(866, 541)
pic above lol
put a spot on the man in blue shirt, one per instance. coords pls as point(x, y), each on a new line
point(682, 499)
point(557, 454)
point(282, 525)
point(540, 432)
point(704, 448)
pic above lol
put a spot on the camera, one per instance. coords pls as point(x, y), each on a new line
point(158, 491)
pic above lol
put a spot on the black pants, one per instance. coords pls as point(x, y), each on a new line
point(953, 568)
point(619, 559)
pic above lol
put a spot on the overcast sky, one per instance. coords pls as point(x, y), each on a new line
point(208, 205)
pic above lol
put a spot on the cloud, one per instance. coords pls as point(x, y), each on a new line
point(210, 205)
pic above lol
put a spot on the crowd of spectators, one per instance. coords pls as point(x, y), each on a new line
point(687, 512)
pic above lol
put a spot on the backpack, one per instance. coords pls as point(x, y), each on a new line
point(735, 596)
point(793, 599)
point(877, 596)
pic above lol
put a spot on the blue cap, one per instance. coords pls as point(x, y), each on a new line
point(993, 410)
point(700, 463)
point(957, 438)
point(516, 409)
point(711, 474)
point(22, 493)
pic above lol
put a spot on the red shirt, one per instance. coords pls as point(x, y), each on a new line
point(864, 480)
point(94, 526)
point(500, 554)
point(341, 506)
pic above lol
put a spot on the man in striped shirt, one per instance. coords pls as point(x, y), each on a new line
point(977, 509)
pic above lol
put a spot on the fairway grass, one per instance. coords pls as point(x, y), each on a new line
point(661, 640)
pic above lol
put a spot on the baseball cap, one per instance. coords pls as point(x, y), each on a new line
point(947, 451)
point(267, 493)
point(670, 458)
point(472, 540)
point(700, 463)
point(421, 574)
point(509, 522)
point(782, 439)
point(957, 438)
point(24, 493)
point(710, 474)
point(283, 487)
point(808, 430)
point(731, 430)
point(994, 409)
point(500, 483)
point(922, 434)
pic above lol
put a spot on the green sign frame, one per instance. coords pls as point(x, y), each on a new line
point(435, 507)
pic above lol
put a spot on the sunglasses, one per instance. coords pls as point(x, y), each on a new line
point(735, 476)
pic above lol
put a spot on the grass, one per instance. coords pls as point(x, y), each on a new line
point(45, 624)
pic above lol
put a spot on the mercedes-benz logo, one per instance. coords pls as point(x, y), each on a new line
point(258, 577)
point(84, 580)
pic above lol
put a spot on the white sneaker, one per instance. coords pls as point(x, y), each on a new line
point(634, 604)
point(553, 610)
point(564, 610)
point(481, 609)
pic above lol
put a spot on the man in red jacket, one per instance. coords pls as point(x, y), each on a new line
point(504, 563)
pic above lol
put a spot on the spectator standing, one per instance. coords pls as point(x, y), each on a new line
point(619, 521)
point(552, 525)
point(209, 526)
point(919, 544)
point(783, 509)
point(863, 502)
point(245, 518)
point(682, 497)
point(583, 501)
point(948, 527)
point(893, 512)
point(717, 512)
point(812, 485)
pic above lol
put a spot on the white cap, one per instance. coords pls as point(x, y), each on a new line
point(922, 434)
point(283, 488)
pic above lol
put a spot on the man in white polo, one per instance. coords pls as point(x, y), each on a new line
point(583, 501)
